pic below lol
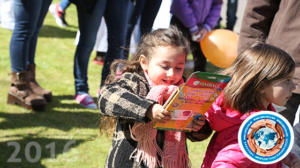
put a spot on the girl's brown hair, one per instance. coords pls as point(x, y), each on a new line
point(160, 37)
point(254, 69)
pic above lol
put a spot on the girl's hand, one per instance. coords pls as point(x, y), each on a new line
point(198, 123)
point(199, 35)
point(292, 161)
point(157, 113)
point(202, 34)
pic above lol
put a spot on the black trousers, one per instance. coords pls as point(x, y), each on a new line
point(292, 106)
point(198, 56)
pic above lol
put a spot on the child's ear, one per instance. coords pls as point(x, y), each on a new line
point(262, 88)
point(144, 62)
point(262, 91)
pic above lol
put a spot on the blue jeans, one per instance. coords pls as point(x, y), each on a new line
point(115, 17)
point(64, 4)
point(146, 10)
point(29, 17)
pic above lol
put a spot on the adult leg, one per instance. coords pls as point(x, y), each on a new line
point(38, 25)
point(64, 4)
point(116, 18)
point(148, 15)
point(26, 18)
point(88, 27)
point(231, 13)
point(33, 84)
point(198, 56)
point(134, 12)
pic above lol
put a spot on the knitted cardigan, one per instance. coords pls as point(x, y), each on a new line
point(174, 152)
point(125, 100)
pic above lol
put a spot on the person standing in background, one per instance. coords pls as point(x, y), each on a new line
point(89, 18)
point(195, 19)
point(277, 23)
point(24, 89)
point(232, 6)
point(146, 11)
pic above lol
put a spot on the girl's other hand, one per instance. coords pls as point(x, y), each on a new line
point(157, 113)
point(198, 123)
point(199, 35)
point(202, 33)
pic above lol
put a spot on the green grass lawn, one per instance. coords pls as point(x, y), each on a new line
point(65, 134)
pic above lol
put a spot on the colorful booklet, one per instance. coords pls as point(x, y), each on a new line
point(192, 99)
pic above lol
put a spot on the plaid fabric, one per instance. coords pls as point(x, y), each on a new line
point(125, 100)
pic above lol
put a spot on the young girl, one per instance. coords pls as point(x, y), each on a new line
point(260, 76)
point(133, 99)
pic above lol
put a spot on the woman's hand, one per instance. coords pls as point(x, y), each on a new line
point(198, 123)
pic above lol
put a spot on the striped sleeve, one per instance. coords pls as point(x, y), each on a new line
point(126, 98)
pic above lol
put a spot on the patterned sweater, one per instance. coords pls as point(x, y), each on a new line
point(125, 100)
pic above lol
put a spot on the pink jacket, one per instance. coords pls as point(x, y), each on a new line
point(223, 149)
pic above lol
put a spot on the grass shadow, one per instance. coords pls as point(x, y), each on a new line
point(55, 119)
point(55, 31)
point(64, 102)
point(62, 113)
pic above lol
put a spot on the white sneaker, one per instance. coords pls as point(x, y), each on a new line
point(59, 16)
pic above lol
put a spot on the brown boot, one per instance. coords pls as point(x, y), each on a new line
point(36, 88)
point(20, 93)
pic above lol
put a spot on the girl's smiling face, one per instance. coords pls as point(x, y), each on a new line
point(165, 66)
point(278, 92)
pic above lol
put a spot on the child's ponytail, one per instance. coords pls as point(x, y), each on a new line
point(120, 66)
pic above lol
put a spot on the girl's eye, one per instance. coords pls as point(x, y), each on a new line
point(288, 80)
point(179, 69)
point(165, 67)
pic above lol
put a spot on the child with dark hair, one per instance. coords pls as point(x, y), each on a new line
point(135, 97)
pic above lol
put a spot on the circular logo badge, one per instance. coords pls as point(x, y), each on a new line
point(266, 137)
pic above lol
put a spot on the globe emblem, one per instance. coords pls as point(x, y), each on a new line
point(265, 138)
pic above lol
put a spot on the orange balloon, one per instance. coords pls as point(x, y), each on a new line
point(220, 47)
